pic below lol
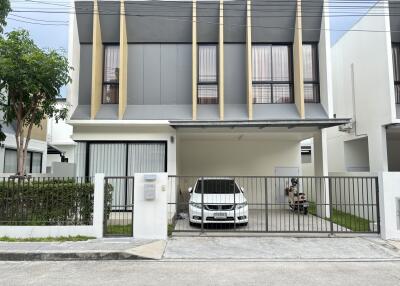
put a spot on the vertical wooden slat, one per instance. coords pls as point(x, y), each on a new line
point(123, 63)
point(249, 85)
point(97, 63)
point(221, 61)
point(194, 60)
point(298, 63)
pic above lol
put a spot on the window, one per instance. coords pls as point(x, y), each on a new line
point(33, 162)
point(207, 86)
point(111, 75)
point(396, 70)
point(310, 73)
point(272, 74)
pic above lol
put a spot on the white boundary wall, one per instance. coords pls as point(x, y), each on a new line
point(95, 230)
point(389, 194)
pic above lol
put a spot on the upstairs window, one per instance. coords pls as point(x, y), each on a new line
point(111, 75)
point(310, 73)
point(396, 70)
point(272, 74)
point(207, 84)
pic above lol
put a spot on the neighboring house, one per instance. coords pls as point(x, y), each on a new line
point(199, 88)
point(61, 145)
point(37, 150)
point(366, 88)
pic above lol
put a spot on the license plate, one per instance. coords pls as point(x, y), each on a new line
point(305, 205)
point(220, 215)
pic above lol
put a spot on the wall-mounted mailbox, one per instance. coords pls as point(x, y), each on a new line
point(149, 192)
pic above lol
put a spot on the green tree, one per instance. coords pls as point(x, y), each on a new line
point(30, 83)
point(5, 8)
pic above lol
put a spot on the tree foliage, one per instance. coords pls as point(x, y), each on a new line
point(5, 8)
point(30, 83)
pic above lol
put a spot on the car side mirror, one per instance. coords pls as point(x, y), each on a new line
point(190, 189)
point(242, 189)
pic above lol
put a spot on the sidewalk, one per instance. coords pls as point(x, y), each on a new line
point(95, 249)
point(197, 248)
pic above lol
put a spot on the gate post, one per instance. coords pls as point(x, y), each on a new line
point(330, 204)
point(98, 205)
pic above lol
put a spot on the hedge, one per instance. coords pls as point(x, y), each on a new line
point(49, 202)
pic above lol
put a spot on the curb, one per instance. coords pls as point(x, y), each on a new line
point(69, 256)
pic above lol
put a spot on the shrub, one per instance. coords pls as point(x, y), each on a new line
point(48, 202)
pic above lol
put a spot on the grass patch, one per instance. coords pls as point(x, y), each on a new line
point(170, 229)
point(125, 229)
point(346, 220)
point(46, 239)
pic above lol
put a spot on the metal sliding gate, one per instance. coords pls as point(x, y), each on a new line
point(118, 206)
point(261, 204)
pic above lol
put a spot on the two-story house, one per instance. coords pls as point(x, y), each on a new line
point(199, 87)
point(366, 85)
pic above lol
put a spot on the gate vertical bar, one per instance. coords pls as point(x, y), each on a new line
point(330, 204)
point(132, 203)
point(378, 216)
point(266, 204)
point(234, 204)
point(202, 204)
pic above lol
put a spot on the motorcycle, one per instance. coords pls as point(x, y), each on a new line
point(297, 201)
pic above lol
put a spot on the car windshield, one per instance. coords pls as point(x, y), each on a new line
point(216, 186)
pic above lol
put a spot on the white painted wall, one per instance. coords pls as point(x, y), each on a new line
point(150, 219)
point(363, 87)
point(236, 157)
point(389, 197)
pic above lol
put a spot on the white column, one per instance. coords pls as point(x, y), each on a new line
point(377, 148)
point(389, 205)
point(98, 205)
point(321, 170)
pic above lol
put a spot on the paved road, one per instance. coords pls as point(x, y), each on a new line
point(199, 273)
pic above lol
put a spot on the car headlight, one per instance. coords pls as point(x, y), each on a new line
point(241, 205)
point(195, 205)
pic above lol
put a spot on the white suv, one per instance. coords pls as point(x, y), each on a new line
point(223, 202)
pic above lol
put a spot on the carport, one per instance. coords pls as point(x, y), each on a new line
point(262, 157)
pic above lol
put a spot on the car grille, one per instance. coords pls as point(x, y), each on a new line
point(210, 218)
point(218, 207)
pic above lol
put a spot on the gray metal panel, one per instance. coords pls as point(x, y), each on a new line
point(271, 23)
point(394, 12)
point(275, 111)
point(184, 74)
point(311, 12)
point(207, 22)
point(235, 73)
point(314, 111)
point(169, 54)
point(85, 75)
point(84, 20)
point(109, 21)
point(159, 21)
point(135, 74)
point(107, 111)
point(81, 112)
point(159, 74)
point(151, 74)
point(235, 21)
point(208, 111)
point(158, 112)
